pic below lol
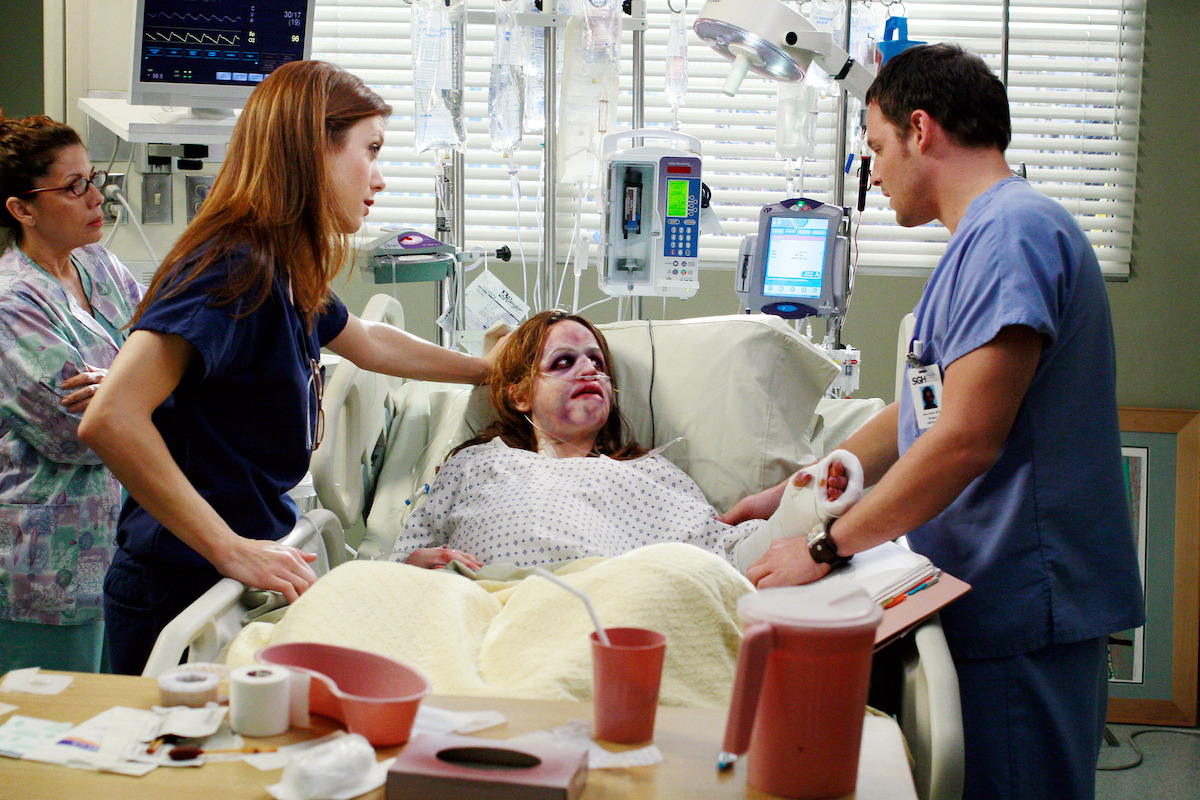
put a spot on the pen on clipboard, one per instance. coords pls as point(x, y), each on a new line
point(898, 599)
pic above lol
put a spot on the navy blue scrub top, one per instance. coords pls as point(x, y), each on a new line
point(236, 423)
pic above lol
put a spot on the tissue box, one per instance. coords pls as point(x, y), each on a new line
point(474, 768)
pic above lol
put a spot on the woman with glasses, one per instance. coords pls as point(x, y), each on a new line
point(64, 301)
point(209, 415)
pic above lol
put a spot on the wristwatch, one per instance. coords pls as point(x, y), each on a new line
point(822, 548)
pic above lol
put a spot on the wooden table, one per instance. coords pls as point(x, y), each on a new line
point(688, 738)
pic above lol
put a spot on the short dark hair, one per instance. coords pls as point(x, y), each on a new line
point(953, 86)
point(28, 149)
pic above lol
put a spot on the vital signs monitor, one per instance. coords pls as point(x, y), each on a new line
point(793, 267)
point(208, 55)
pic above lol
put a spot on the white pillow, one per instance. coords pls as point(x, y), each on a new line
point(741, 389)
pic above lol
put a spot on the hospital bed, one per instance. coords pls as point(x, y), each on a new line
point(744, 393)
point(736, 401)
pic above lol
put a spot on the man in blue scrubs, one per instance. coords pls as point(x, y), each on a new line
point(1011, 479)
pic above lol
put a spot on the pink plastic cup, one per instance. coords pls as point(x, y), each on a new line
point(625, 678)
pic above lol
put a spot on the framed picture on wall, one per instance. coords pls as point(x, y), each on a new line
point(1153, 669)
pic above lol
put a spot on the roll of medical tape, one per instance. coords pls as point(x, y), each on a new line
point(259, 700)
point(192, 685)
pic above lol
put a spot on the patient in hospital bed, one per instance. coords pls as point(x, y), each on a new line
point(555, 477)
point(555, 481)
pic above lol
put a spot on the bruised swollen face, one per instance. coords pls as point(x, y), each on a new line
point(571, 395)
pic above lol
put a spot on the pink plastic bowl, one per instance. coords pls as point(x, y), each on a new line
point(370, 694)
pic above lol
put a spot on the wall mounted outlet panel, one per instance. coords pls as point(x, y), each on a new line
point(197, 189)
point(156, 198)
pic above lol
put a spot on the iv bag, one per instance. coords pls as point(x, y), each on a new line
point(866, 30)
point(796, 119)
point(534, 67)
point(506, 87)
point(677, 62)
point(591, 83)
point(602, 36)
point(438, 31)
point(829, 16)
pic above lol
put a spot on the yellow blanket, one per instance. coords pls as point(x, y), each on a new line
point(526, 638)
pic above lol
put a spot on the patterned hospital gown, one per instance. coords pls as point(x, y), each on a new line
point(511, 506)
point(58, 503)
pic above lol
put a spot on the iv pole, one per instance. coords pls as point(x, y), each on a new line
point(834, 323)
point(638, 10)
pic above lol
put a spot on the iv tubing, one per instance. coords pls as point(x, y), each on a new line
point(584, 191)
point(116, 224)
point(119, 196)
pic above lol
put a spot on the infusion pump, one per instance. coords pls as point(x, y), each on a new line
point(650, 238)
point(795, 266)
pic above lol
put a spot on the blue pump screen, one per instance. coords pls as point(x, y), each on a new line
point(795, 257)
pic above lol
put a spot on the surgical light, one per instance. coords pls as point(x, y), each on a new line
point(774, 40)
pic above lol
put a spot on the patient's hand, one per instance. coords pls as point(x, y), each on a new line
point(786, 563)
point(764, 504)
point(438, 557)
point(756, 506)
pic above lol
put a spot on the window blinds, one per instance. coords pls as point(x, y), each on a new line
point(1073, 77)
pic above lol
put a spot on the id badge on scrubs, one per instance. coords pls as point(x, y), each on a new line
point(925, 383)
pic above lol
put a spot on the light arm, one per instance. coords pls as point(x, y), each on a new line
point(379, 347)
point(847, 71)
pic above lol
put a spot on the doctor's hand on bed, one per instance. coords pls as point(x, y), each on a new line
point(439, 557)
point(268, 565)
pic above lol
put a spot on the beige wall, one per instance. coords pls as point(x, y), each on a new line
point(1155, 316)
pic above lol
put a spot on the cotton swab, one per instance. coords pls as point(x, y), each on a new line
point(189, 752)
point(550, 576)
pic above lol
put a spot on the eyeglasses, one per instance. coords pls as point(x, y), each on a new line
point(314, 430)
point(79, 186)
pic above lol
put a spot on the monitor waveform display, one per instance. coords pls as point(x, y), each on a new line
point(222, 38)
point(218, 42)
point(206, 19)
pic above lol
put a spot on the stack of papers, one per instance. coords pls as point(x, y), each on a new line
point(889, 572)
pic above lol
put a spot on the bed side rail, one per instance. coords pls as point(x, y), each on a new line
point(208, 624)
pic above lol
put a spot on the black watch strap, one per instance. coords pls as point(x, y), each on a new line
point(822, 548)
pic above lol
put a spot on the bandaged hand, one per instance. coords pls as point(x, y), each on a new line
point(838, 485)
point(816, 494)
